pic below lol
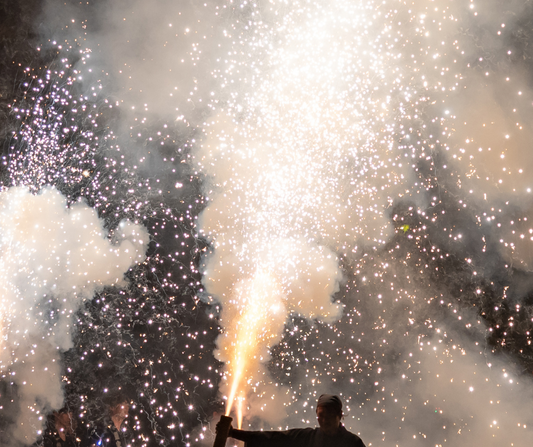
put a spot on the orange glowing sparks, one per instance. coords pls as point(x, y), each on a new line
point(261, 313)
point(240, 403)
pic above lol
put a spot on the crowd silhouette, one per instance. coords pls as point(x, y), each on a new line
point(63, 428)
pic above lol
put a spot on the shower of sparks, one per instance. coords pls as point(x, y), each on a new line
point(307, 158)
point(255, 326)
point(338, 197)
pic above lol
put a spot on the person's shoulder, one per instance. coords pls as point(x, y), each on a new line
point(301, 436)
point(302, 430)
point(354, 439)
point(297, 433)
point(49, 439)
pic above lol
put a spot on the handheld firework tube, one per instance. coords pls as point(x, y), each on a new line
point(222, 431)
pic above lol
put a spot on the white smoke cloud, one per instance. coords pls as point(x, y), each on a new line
point(484, 113)
point(158, 58)
point(52, 258)
point(447, 388)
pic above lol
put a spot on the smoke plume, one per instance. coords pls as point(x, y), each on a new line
point(53, 258)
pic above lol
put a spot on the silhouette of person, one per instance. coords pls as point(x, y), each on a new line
point(61, 430)
point(115, 433)
point(330, 432)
